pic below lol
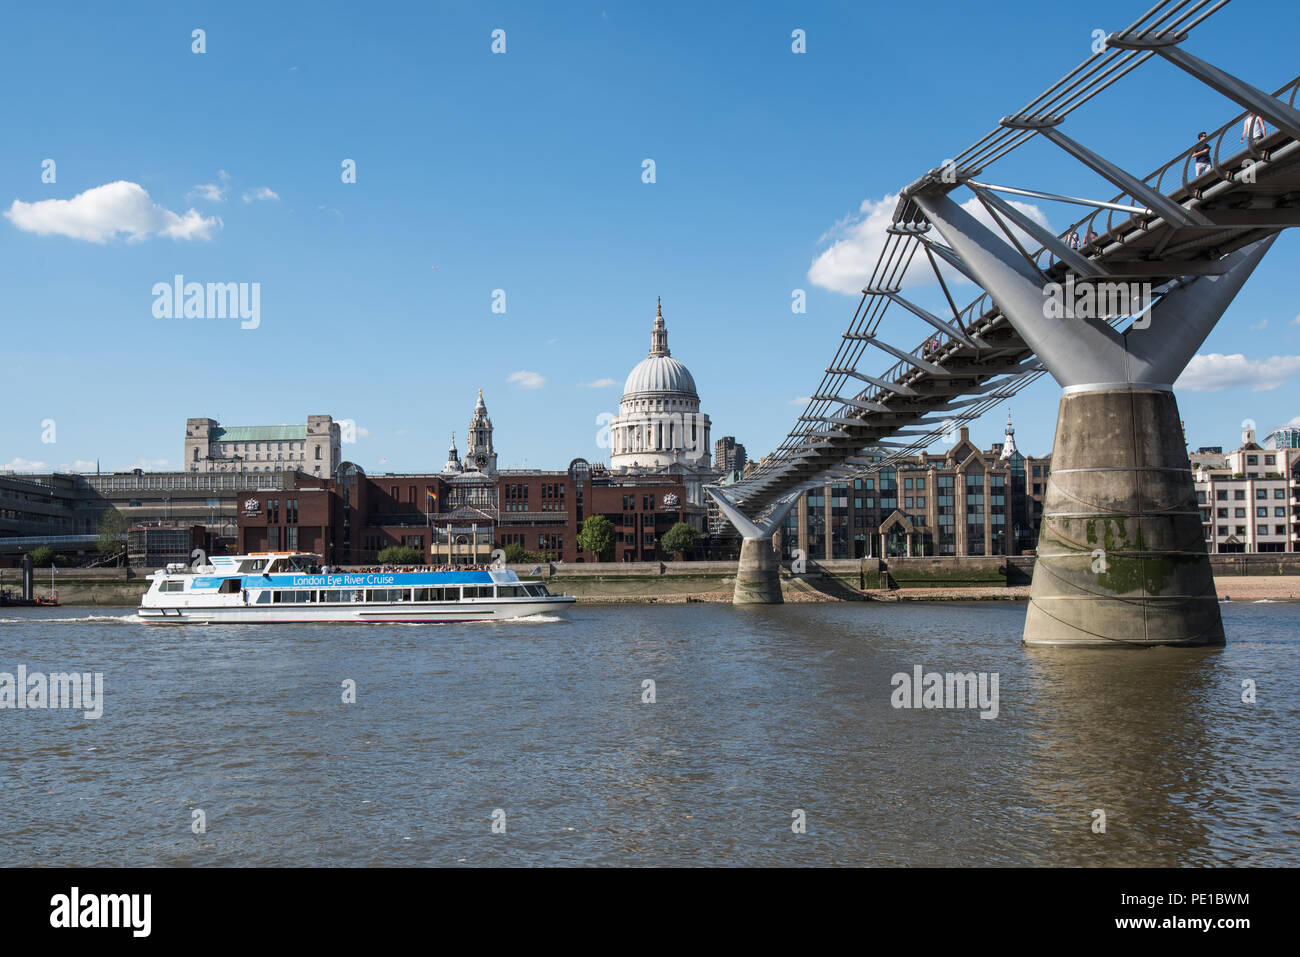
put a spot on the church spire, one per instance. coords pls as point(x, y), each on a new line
point(1009, 446)
point(659, 335)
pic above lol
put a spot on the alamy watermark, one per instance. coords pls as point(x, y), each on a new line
point(179, 299)
point(922, 689)
point(35, 690)
point(1098, 300)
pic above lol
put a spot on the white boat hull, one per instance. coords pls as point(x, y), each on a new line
point(358, 613)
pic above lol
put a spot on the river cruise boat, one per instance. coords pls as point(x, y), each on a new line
point(285, 587)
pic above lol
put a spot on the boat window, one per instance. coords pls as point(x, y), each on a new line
point(252, 565)
point(229, 587)
point(387, 595)
point(264, 598)
point(432, 594)
point(510, 591)
point(331, 596)
point(476, 592)
point(172, 586)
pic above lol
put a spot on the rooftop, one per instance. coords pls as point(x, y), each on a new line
point(259, 433)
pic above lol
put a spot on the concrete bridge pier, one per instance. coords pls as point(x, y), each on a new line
point(758, 574)
point(1121, 556)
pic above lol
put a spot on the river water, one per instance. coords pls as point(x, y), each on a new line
point(759, 713)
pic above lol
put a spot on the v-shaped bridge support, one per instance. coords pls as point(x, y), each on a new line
point(758, 575)
point(1121, 554)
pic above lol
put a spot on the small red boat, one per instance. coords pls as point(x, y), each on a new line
point(10, 601)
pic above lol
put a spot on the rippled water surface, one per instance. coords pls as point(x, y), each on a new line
point(759, 711)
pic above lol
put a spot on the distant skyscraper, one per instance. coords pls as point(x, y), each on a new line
point(728, 455)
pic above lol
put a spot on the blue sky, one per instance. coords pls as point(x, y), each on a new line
point(523, 172)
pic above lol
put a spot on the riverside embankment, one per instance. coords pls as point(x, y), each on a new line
point(1246, 577)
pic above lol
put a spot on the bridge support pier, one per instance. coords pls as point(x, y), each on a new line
point(1121, 556)
point(758, 574)
point(1121, 553)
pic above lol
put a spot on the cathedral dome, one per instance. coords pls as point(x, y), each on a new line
point(659, 426)
point(660, 374)
point(659, 371)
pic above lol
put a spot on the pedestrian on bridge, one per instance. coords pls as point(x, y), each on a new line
point(1254, 128)
point(1201, 154)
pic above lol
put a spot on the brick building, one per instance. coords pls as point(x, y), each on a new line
point(963, 501)
point(458, 517)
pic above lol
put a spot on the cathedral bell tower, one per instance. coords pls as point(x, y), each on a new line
point(479, 453)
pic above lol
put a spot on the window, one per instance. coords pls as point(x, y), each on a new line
point(1223, 531)
point(1221, 495)
point(1279, 512)
point(1239, 513)
point(1261, 512)
point(1261, 493)
point(1279, 529)
point(172, 586)
point(1279, 493)
point(1221, 513)
point(1239, 495)
point(1270, 460)
point(1252, 459)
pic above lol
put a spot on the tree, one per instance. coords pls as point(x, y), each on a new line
point(44, 557)
point(112, 533)
point(680, 538)
point(597, 537)
point(400, 555)
point(516, 554)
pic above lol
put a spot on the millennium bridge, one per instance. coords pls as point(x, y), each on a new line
point(1172, 248)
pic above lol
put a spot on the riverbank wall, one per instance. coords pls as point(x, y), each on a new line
point(836, 580)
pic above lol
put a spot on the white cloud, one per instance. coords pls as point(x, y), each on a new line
point(526, 380)
point(78, 466)
point(148, 464)
point(599, 383)
point(99, 214)
point(383, 461)
point(362, 432)
point(209, 192)
point(23, 465)
point(262, 192)
point(799, 400)
point(857, 241)
point(1215, 372)
point(401, 431)
point(1258, 326)
point(1296, 321)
